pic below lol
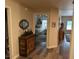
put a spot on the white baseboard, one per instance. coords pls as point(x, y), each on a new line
point(49, 47)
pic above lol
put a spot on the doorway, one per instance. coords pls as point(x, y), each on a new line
point(67, 20)
point(65, 45)
point(40, 30)
point(7, 54)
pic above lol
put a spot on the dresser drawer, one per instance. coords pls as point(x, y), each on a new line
point(26, 45)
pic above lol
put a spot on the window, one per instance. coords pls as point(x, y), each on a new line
point(69, 25)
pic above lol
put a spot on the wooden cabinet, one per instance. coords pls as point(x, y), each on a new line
point(26, 45)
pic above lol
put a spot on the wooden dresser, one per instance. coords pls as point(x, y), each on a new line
point(26, 45)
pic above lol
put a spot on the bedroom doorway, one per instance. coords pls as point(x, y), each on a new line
point(40, 30)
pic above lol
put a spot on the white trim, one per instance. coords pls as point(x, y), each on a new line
point(47, 37)
point(15, 57)
point(49, 47)
point(9, 30)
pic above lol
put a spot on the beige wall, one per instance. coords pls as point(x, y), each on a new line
point(16, 12)
point(52, 31)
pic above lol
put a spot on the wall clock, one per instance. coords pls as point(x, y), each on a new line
point(24, 24)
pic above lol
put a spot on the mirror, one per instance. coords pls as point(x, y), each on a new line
point(24, 24)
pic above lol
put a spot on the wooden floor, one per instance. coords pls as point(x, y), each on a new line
point(61, 52)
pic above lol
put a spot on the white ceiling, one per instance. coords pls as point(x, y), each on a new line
point(38, 4)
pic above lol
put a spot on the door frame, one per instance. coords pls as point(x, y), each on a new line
point(9, 30)
point(71, 56)
point(39, 13)
point(71, 50)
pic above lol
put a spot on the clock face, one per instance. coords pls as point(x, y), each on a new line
point(24, 24)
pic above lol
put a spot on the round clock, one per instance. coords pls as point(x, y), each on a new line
point(24, 24)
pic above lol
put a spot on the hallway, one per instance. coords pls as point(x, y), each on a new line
point(41, 39)
point(56, 53)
